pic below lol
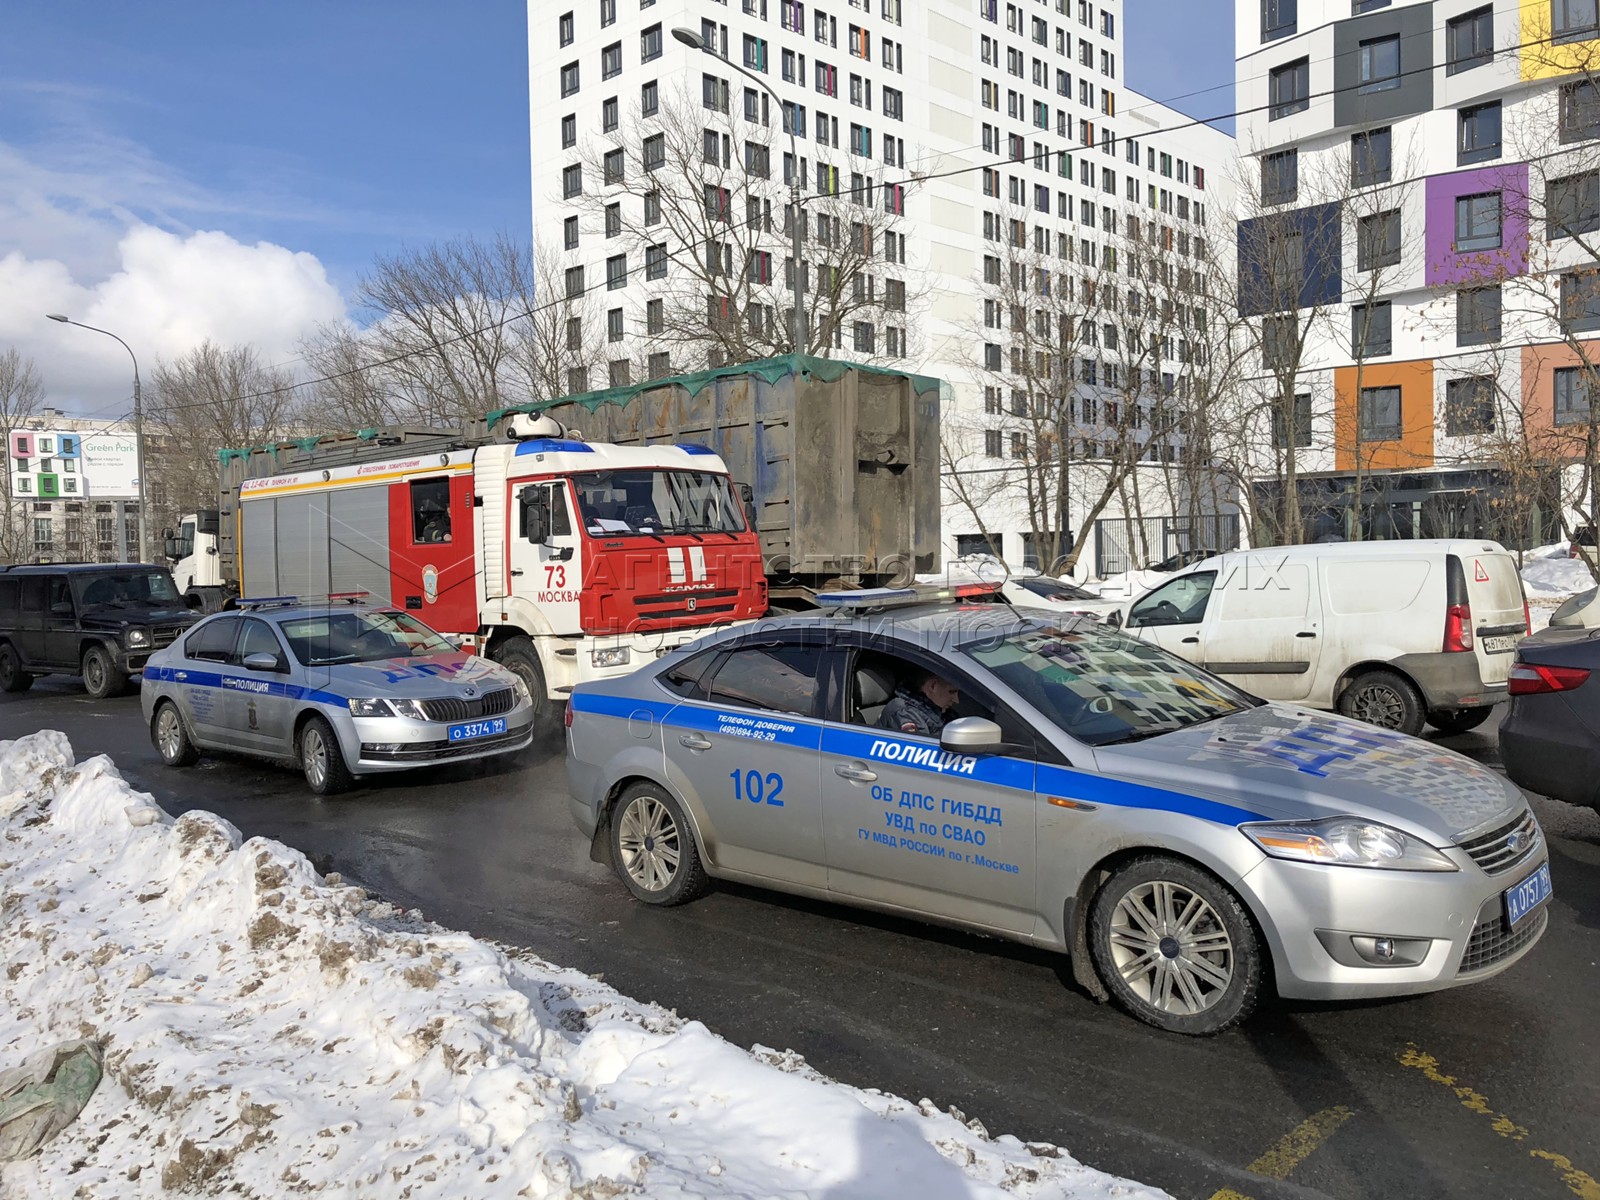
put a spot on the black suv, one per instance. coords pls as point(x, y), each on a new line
point(101, 621)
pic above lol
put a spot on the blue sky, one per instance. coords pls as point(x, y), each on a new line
point(181, 169)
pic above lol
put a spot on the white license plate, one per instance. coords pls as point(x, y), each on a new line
point(1502, 643)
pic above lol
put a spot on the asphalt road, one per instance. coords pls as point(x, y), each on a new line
point(1487, 1091)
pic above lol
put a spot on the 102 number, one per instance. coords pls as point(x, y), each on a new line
point(757, 788)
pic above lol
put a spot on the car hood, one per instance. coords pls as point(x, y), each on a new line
point(420, 678)
point(105, 616)
point(1290, 763)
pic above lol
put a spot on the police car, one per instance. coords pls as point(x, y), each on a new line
point(339, 687)
point(1185, 842)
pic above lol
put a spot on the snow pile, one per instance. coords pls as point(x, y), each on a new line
point(270, 1032)
point(1556, 576)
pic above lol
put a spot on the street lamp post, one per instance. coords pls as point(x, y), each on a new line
point(797, 320)
point(138, 434)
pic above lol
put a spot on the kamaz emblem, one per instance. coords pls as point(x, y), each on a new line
point(692, 603)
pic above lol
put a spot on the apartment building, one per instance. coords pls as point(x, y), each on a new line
point(70, 491)
point(994, 188)
point(1417, 248)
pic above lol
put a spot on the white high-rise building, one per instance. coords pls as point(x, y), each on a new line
point(987, 146)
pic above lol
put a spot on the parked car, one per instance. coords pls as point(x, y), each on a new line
point(1550, 735)
point(1582, 544)
point(1397, 633)
point(1188, 844)
point(1058, 596)
point(1182, 559)
point(98, 620)
point(341, 689)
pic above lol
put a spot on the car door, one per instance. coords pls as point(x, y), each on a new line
point(35, 592)
point(1263, 628)
point(1171, 616)
point(197, 681)
point(908, 824)
point(257, 703)
point(61, 637)
point(741, 748)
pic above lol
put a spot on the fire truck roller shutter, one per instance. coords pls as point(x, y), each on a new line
point(259, 545)
point(303, 545)
point(358, 542)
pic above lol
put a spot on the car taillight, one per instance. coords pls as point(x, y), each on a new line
point(1530, 679)
point(1458, 627)
point(566, 715)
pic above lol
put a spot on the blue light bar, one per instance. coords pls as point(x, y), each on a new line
point(870, 597)
point(695, 448)
point(261, 601)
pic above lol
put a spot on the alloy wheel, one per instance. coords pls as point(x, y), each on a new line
point(314, 756)
point(1171, 948)
point(648, 838)
point(94, 675)
point(1378, 705)
point(169, 734)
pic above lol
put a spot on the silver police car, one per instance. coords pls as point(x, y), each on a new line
point(1186, 843)
point(341, 688)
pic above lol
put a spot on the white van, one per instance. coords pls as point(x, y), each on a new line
point(1396, 633)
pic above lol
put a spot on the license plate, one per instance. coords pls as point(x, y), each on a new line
point(1528, 895)
point(1502, 644)
point(468, 730)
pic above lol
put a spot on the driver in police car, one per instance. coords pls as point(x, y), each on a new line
point(923, 708)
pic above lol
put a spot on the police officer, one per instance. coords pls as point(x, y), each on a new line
point(923, 708)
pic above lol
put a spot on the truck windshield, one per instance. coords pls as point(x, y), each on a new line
point(128, 589)
point(1104, 688)
point(618, 503)
point(331, 638)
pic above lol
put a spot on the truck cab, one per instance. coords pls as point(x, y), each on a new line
point(192, 552)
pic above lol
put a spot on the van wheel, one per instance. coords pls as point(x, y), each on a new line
point(517, 654)
point(1175, 947)
point(1458, 720)
point(101, 675)
point(1384, 699)
point(12, 677)
point(653, 847)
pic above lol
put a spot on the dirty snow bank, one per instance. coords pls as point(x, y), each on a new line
point(269, 1032)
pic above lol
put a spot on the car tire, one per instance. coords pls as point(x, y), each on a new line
point(1450, 721)
point(102, 678)
point(1385, 699)
point(1175, 947)
point(653, 847)
point(518, 654)
point(12, 677)
point(321, 759)
point(170, 736)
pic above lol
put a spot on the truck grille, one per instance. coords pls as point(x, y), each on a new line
point(452, 708)
point(1501, 849)
point(679, 599)
point(1493, 942)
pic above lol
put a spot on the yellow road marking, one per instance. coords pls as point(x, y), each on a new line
point(1294, 1147)
point(1580, 1183)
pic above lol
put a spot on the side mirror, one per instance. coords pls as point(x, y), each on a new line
point(167, 533)
point(972, 735)
point(262, 662)
point(535, 514)
point(169, 546)
point(1114, 619)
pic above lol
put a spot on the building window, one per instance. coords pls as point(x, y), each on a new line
point(1278, 337)
point(654, 149)
point(1573, 20)
point(611, 61)
point(655, 262)
point(608, 13)
point(1572, 205)
point(574, 333)
point(1380, 64)
point(608, 115)
point(755, 53)
point(1580, 301)
point(1278, 18)
point(650, 44)
point(577, 380)
point(1378, 240)
point(991, 443)
point(1378, 419)
point(1580, 111)
point(619, 374)
point(1371, 330)
point(565, 26)
point(1478, 316)
point(1280, 177)
point(1357, 7)
point(614, 325)
point(1478, 222)
point(569, 131)
point(569, 79)
point(569, 233)
point(655, 319)
point(1302, 423)
point(1469, 40)
point(1469, 406)
point(572, 181)
point(1019, 445)
point(612, 166)
point(1480, 133)
point(893, 104)
point(613, 220)
point(1369, 157)
point(1571, 396)
point(991, 356)
point(1289, 89)
point(863, 336)
point(574, 282)
point(649, 99)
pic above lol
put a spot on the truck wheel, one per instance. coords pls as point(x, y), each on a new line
point(1384, 699)
point(171, 738)
point(517, 654)
point(1450, 721)
point(321, 758)
point(12, 677)
point(102, 677)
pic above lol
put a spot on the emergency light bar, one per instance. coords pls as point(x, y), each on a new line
point(299, 601)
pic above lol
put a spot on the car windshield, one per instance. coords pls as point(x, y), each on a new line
point(649, 502)
point(129, 589)
point(1104, 688)
point(329, 639)
point(1054, 589)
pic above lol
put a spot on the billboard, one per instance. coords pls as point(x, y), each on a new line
point(50, 464)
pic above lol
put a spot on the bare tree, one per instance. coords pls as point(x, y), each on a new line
point(21, 393)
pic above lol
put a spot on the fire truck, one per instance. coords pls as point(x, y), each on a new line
point(569, 558)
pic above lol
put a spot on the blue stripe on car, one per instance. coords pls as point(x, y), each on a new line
point(242, 684)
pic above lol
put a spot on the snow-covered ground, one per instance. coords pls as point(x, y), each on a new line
point(269, 1032)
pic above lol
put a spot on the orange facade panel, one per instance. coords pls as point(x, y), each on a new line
point(1398, 432)
point(1548, 371)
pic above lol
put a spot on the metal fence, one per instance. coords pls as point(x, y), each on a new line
point(1129, 543)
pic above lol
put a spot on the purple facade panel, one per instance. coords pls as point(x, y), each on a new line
point(1446, 265)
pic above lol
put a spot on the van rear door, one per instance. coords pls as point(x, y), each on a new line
point(1499, 620)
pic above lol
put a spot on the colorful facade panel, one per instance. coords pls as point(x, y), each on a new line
point(1393, 428)
point(1477, 224)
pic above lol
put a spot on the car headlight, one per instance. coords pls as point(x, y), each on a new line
point(138, 637)
point(409, 708)
point(1346, 842)
point(616, 656)
point(370, 707)
point(519, 688)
